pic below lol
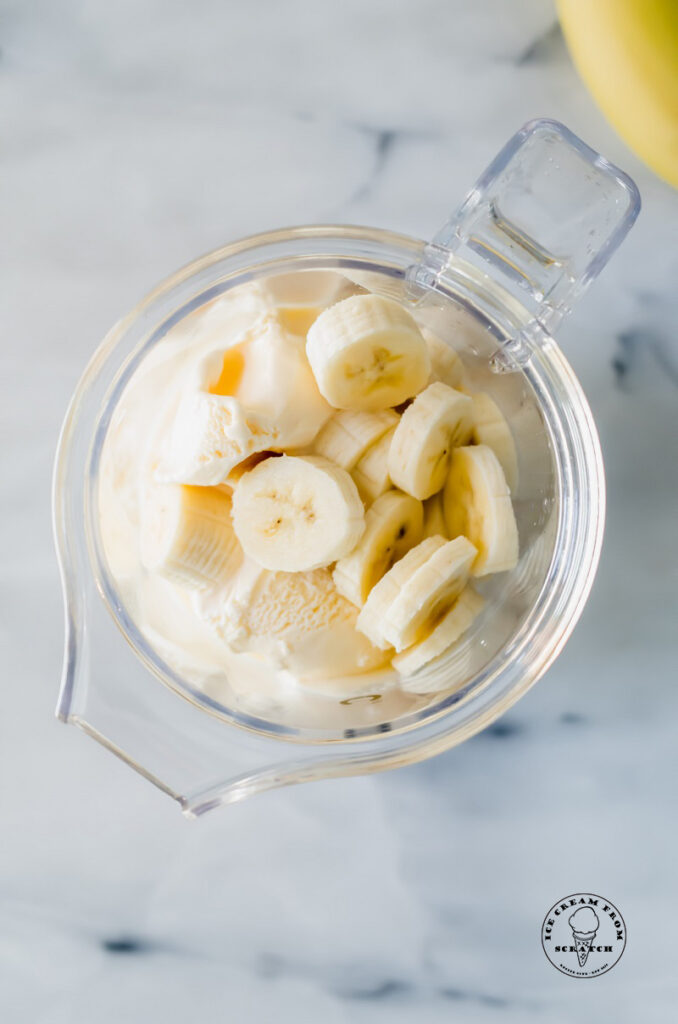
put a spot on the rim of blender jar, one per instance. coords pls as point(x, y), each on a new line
point(580, 497)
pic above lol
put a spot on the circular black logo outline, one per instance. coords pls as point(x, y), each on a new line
point(578, 896)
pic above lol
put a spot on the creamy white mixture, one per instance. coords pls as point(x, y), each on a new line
point(258, 578)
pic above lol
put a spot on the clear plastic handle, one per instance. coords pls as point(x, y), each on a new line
point(541, 222)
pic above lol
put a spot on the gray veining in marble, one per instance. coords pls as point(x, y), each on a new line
point(135, 136)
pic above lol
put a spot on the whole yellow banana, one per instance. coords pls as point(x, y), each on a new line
point(627, 53)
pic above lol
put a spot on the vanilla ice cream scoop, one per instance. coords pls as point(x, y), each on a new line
point(209, 436)
point(254, 393)
point(277, 385)
point(584, 921)
point(298, 620)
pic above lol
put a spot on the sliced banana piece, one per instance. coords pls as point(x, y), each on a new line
point(447, 673)
point(490, 428)
point(187, 535)
point(446, 365)
point(348, 434)
point(430, 592)
point(367, 353)
point(296, 513)
point(438, 420)
point(434, 517)
point(393, 525)
point(385, 592)
point(478, 505)
point(447, 631)
point(371, 471)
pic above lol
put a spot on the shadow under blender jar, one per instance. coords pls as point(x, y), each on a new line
point(494, 284)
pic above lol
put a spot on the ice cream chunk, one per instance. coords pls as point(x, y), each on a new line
point(210, 435)
point(226, 317)
point(277, 385)
point(298, 620)
point(257, 393)
point(301, 296)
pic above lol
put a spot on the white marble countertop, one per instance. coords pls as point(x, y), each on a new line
point(137, 135)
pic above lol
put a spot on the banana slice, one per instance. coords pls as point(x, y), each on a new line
point(478, 505)
point(348, 434)
point(490, 428)
point(447, 631)
point(451, 672)
point(446, 365)
point(367, 353)
point(393, 525)
point(434, 517)
point(438, 420)
point(296, 513)
point(187, 535)
point(371, 472)
point(462, 660)
point(385, 592)
point(428, 594)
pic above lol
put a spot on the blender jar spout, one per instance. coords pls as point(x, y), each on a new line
point(538, 226)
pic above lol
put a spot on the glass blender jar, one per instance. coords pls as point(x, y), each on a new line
point(494, 283)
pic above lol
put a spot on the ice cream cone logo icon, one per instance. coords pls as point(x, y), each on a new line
point(584, 924)
point(583, 935)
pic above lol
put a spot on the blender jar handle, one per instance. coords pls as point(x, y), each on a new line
point(541, 222)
